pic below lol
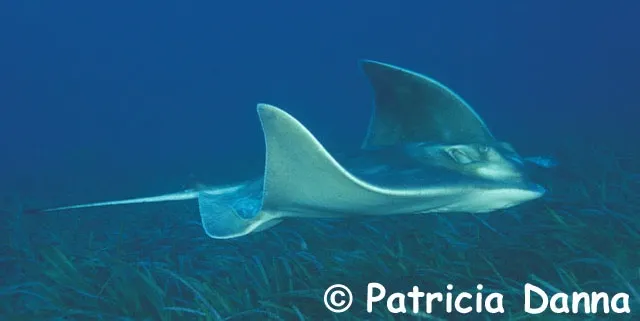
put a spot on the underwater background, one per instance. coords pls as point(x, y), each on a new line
point(112, 100)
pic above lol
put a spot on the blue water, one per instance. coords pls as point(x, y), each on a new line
point(118, 99)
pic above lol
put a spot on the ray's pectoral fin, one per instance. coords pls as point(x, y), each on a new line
point(301, 179)
point(410, 107)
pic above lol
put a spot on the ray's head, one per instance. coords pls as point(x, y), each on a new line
point(496, 167)
point(493, 162)
point(489, 161)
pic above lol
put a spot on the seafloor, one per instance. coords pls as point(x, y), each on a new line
point(155, 263)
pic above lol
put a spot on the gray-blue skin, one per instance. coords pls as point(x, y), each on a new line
point(426, 151)
point(414, 110)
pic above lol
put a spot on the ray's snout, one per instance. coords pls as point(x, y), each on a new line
point(501, 163)
point(533, 190)
point(504, 197)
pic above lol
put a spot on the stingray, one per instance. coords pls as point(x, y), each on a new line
point(425, 151)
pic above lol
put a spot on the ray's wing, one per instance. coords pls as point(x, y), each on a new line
point(302, 179)
point(410, 107)
point(299, 170)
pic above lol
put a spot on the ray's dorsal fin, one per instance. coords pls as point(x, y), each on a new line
point(410, 107)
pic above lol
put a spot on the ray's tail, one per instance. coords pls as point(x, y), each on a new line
point(179, 196)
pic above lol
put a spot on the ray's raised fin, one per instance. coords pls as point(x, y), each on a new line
point(410, 107)
point(300, 172)
point(301, 179)
point(299, 175)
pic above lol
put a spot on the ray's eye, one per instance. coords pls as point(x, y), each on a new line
point(483, 148)
point(459, 156)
